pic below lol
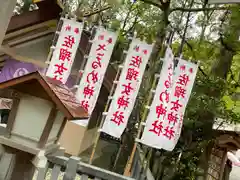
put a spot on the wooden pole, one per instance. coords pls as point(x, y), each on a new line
point(6, 12)
point(145, 113)
point(103, 117)
point(117, 157)
point(107, 106)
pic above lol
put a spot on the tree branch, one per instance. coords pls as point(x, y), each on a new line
point(152, 3)
point(197, 9)
point(127, 16)
point(132, 27)
point(191, 49)
point(161, 1)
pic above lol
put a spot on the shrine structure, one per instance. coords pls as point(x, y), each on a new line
point(25, 49)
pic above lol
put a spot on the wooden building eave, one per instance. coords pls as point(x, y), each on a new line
point(40, 86)
point(43, 14)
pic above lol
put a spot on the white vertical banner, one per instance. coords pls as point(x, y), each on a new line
point(98, 60)
point(166, 133)
point(184, 77)
point(158, 109)
point(65, 51)
point(127, 88)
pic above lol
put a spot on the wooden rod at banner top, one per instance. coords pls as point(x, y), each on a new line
point(144, 116)
point(107, 105)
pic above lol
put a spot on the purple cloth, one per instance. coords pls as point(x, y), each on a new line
point(13, 69)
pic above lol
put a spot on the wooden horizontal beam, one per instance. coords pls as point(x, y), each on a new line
point(47, 24)
point(30, 37)
point(48, 10)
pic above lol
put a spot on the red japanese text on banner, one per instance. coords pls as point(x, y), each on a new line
point(127, 88)
point(92, 78)
point(158, 109)
point(65, 50)
point(183, 80)
point(185, 74)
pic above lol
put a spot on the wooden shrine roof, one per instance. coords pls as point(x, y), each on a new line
point(37, 85)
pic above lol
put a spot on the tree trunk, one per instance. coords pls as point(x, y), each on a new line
point(156, 52)
point(222, 65)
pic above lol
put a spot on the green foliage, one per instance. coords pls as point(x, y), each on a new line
point(211, 96)
point(197, 129)
point(205, 104)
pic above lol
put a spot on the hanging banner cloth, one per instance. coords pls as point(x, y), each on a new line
point(127, 88)
point(185, 75)
point(158, 109)
point(163, 128)
point(65, 51)
point(92, 78)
